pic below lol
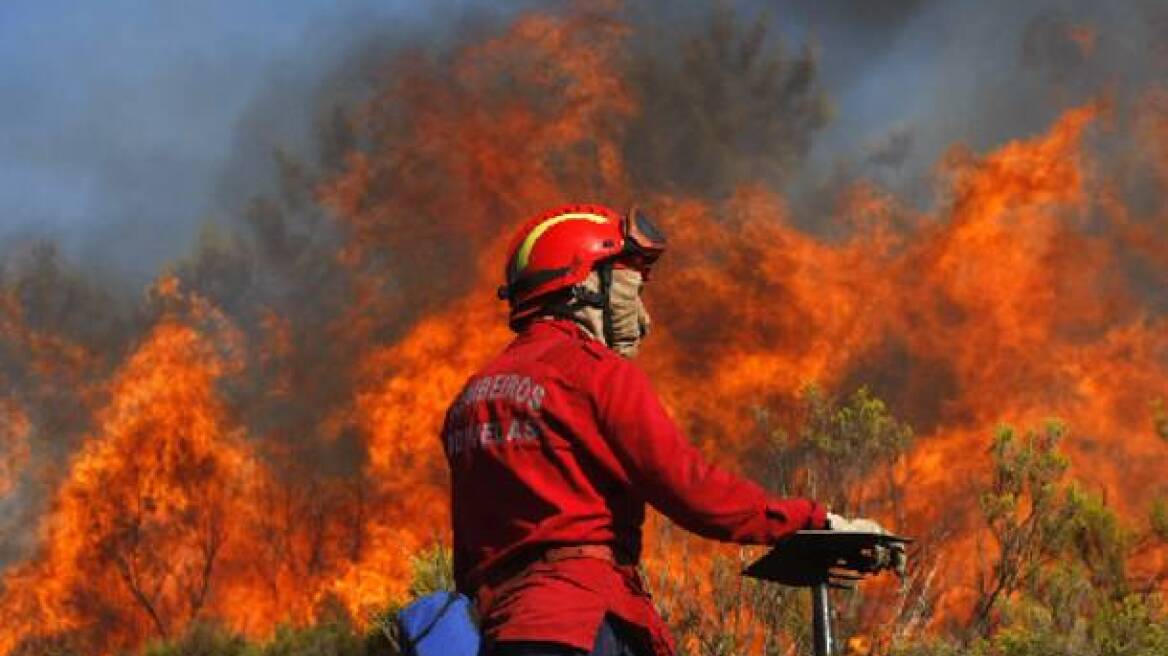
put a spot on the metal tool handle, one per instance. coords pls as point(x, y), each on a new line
point(819, 558)
point(821, 620)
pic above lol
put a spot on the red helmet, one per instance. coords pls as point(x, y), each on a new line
point(556, 250)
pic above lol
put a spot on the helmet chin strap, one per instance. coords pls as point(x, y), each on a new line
point(597, 299)
point(581, 295)
point(605, 273)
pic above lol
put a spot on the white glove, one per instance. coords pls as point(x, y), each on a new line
point(856, 525)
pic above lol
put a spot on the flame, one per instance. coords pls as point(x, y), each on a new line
point(1024, 295)
point(133, 536)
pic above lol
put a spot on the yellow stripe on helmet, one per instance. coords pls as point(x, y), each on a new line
point(524, 253)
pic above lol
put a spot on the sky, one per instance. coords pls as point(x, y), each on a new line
point(127, 124)
point(116, 117)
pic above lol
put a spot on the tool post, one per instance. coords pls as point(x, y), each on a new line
point(822, 559)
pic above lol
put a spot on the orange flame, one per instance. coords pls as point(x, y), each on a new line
point(1021, 297)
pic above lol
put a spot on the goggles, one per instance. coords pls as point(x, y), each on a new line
point(644, 241)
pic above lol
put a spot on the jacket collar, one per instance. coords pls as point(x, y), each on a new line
point(546, 327)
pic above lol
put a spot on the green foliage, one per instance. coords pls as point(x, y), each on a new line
point(838, 444)
point(336, 638)
point(1134, 626)
point(333, 634)
point(929, 647)
point(432, 570)
point(1088, 531)
point(1130, 626)
point(203, 639)
point(1021, 509)
point(1059, 584)
point(862, 427)
point(1158, 518)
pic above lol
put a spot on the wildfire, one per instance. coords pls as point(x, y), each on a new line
point(1025, 295)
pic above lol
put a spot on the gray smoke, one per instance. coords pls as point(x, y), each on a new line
point(909, 78)
point(122, 163)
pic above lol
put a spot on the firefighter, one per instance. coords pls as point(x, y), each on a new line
point(556, 446)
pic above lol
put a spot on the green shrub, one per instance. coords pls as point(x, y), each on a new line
point(331, 638)
point(203, 639)
point(1158, 519)
point(432, 570)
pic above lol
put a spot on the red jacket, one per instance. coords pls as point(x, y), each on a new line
point(560, 441)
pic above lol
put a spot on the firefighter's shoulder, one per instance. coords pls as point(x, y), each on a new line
point(595, 349)
point(578, 352)
point(593, 360)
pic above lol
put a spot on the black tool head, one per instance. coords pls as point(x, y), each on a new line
point(808, 557)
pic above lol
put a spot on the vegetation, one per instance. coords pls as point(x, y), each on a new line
point(334, 637)
point(1054, 580)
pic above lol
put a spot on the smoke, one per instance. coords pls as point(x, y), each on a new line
point(122, 164)
point(976, 73)
point(59, 332)
point(722, 102)
point(128, 127)
point(363, 197)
